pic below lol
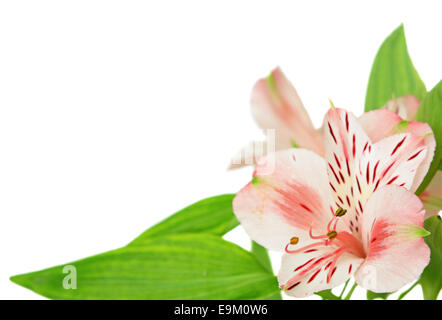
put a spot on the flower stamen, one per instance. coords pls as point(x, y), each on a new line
point(324, 236)
point(340, 212)
point(327, 238)
point(332, 234)
point(316, 244)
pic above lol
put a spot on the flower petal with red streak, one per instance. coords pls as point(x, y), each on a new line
point(346, 142)
point(288, 195)
point(397, 160)
point(392, 229)
point(382, 123)
point(357, 168)
point(310, 271)
point(423, 131)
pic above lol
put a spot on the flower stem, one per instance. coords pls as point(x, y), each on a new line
point(348, 296)
point(343, 290)
point(403, 294)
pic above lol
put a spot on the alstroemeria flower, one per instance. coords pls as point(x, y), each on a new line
point(405, 106)
point(352, 213)
point(395, 118)
point(276, 105)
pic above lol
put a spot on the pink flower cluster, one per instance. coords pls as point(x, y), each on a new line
point(341, 203)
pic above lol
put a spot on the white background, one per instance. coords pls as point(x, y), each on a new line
point(115, 114)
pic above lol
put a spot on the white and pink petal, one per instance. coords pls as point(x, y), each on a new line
point(394, 160)
point(405, 106)
point(382, 123)
point(276, 105)
point(316, 269)
point(424, 132)
point(392, 235)
point(288, 196)
point(357, 167)
point(346, 143)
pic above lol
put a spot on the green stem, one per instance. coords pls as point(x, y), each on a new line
point(403, 294)
point(348, 296)
point(343, 290)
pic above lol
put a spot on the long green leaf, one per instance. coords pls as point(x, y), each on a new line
point(393, 73)
point(430, 111)
point(212, 215)
point(187, 266)
point(261, 254)
point(431, 278)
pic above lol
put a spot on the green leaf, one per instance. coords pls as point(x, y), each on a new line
point(431, 278)
point(393, 73)
point(327, 295)
point(261, 254)
point(430, 111)
point(212, 215)
point(374, 295)
point(186, 266)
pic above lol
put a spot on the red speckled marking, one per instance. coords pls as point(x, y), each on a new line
point(398, 146)
point(306, 207)
point(334, 173)
point(337, 161)
point(340, 200)
point(313, 276)
point(392, 180)
point(342, 177)
point(293, 285)
point(365, 147)
point(367, 174)
point(354, 145)
point(388, 168)
point(303, 265)
point(374, 170)
point(332, 133)
point(415, 155)
point(359, 186)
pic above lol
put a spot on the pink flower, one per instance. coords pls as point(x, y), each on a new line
point(352, 213)
point(405, 107)
point(382, 123)
point(276, 105)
